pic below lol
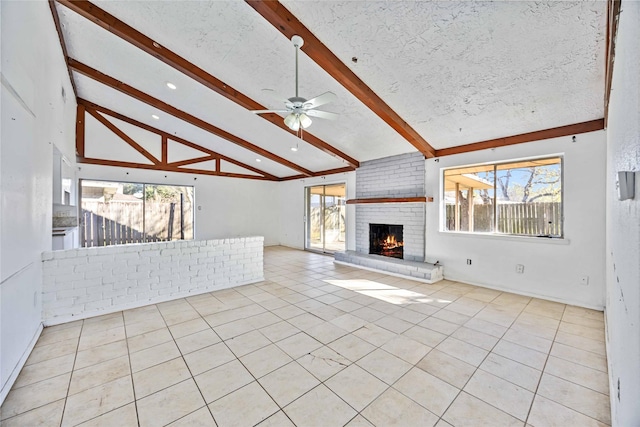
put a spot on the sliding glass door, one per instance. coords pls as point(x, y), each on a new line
point(325, 224)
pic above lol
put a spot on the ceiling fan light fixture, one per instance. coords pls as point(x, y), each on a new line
point(305, 121)
point(292, 122)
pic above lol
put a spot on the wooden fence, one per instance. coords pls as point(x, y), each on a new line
point(116, 223)
point(529, 219)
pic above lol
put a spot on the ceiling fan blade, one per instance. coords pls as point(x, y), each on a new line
point(322, 114)
point(319, 100)
point(269, 111)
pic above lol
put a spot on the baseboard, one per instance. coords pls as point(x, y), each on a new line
point(16, 370)
point(613, 388)
point(430, 282)
point(94, 313)
point(524, 293)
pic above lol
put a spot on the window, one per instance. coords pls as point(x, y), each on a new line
point(115, 213)
point(522, 198)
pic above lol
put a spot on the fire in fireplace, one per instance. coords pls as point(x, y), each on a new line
point(386, 240)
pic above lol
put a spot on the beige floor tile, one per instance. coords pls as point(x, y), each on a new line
point(279, 419)
point(247, 343)
point(323, 363)
point(470, 411)
point(359, 421)
point(466, 306)
point(533, 342)
point(545, 412)
point(44, 370)
point(451, 316)
point(352, 347)
point(180, 316)
point(447, 368)
point(200, 418)
point(193, 342)
point(100, 354)
point(47, 415)
point(521, 354)
point(587, 377)
point(41, 353)
point(208, 358)
point(149, 339)
point(169, 404)
point(508, 397)
point(305, 321)
point(100, 373)
point(232, 410)
point(581, 357)
point(319, 408)
point(123, 416)
point(356, 386)
point(576, 397)
point(540, 322)
point(443, 423)
point(101, 337)
point(584, 331)
point(406, 349)
point(466, 352)
point(327, 313)
point(512, 371)
point(594, 346)
point(298, 345)
point(222, 380)
point(160, 376)
point(35, 395)
point(410, 316)
point(102, 323)
point(273, 303)
point(326, 332)
point(349, 322)
point(144, 326)
point(141, 313)
point(425, 336)
point(384, 366)
point(486, 327)
point(439, 325)
point(427, 390)
point(375, 334)
point(263, 319)
point(153, 356)
point(96, 401)
point(394, 324)
point(287, 383)
point(368, 314)
point(394, 409)
point(347, 306)
point(233, 329)
point(288, 311)
point(584, 321)
point(265, 360)
point(189, 327)
point(426, 309)
point(479, 339)
point(55, 335)
point(279, 331)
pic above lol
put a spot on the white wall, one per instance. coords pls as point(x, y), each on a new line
point(225, 207)
point(292, 208)
point(623, 223)
point(34, 117)
point(552, 268)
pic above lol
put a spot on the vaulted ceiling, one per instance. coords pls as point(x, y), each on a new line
point(409, 75)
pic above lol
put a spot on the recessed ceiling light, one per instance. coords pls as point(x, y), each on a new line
point(258, 160)
point(171, 86)
point(153, 116)
point(294, 148)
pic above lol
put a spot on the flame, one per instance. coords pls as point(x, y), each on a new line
point(390, 243)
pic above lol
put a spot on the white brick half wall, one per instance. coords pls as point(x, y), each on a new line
point(81, 283)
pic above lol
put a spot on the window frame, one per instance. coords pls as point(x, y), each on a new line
point(495, 233)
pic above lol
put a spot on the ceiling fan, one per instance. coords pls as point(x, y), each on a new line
point(299, 108)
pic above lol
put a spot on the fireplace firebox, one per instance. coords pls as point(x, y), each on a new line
point(386, 240)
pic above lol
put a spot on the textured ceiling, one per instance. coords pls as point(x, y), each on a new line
point(457, 72)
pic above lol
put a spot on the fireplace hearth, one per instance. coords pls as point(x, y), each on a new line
point(386, 240)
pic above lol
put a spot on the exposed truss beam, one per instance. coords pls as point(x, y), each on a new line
point(182, 115)
point(525, 137)
point(289, 25)
point(136, 38)
point(56, 21)
point(164, 164)
point(319, 173)
point(613, 15)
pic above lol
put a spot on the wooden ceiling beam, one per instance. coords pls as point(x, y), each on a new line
point(164, 168)
point(56, 21)
point(111, 82)
point(573, 129)
point(613, 15)
point(84, 104)
point(110, 23)
point(319, 173)
point(192, 161)
point(281, 18)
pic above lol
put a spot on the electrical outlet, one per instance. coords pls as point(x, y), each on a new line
point(519, 268)
point(584, 280)
point(468, 261)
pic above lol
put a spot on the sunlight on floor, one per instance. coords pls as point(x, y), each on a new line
point(386, 293)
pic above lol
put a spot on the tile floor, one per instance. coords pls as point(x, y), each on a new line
point(319, 344)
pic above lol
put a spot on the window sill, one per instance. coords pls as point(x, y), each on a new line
point(527, 239)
